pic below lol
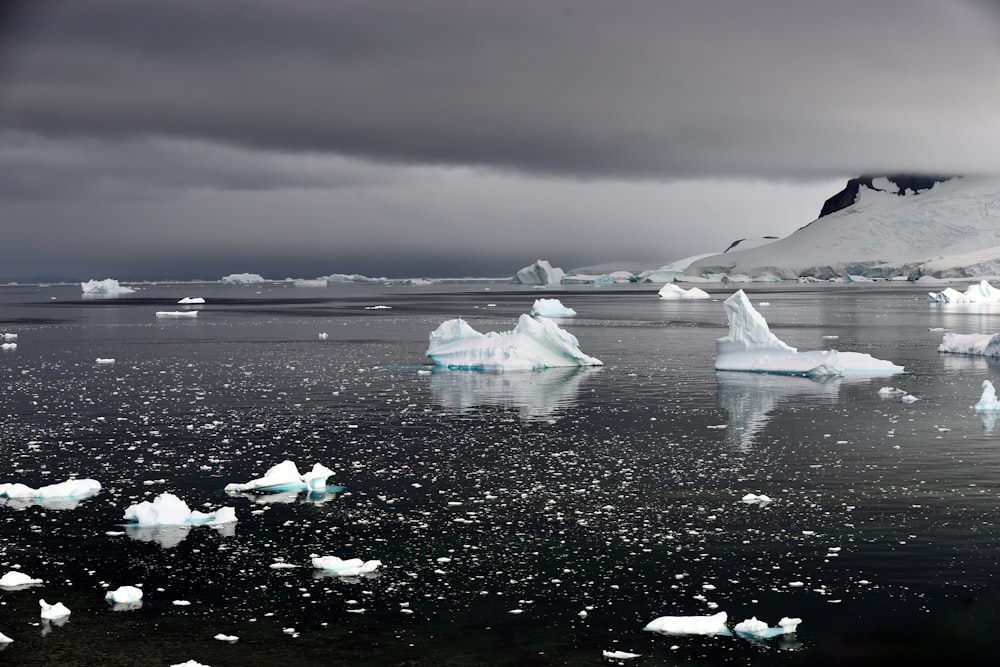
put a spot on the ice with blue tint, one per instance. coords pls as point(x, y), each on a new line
point(751, 347)
point(690, 625)
point(981, 292)
point(285, 477)
point(988, 400)
point(751, 628)
point(535, 343)
point(539, 273)
point(551, 308)
point(72, 490)
point(672, 291)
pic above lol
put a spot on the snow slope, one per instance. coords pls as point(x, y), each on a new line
point(950, 230)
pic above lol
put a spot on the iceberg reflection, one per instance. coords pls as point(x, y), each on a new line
point(750, 397)
point(535, 394)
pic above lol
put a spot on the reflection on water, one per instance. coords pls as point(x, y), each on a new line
point(749, 397)
point(962, 363)
point(534, 394)
point(169, 537)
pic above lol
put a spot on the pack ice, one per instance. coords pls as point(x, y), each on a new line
point(285, 477)
point(551, 308)
point(535, 343)
point(108, 286)
point(750, 346)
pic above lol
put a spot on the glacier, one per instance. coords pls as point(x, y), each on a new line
point(539, 273)
point(672, 291)
point(106, 287)
point(284, 477)
point(751, 347)
point(551, 308)
point(535, 343)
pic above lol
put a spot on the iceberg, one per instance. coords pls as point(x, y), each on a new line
point(987, 401)
point(285, 477)
point(590, 279)
point(539, 273)
point(17, 580)
point(52, 612)
point(551, 308)
point(191, 300)
point(754, 629)
point(690, 625)
point(106, 287)
point(71, 491)
point(125, 598)
point(981, 292)
point(169, 510)
point(986, 345)
point(352, 567)
point(671, 291)
point(242, 278)
point(535, 343)
point(8, 346)
point(619, 655)
point(751, 347)
point(4, 639)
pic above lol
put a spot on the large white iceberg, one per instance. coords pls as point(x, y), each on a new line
point(539, 273)
point(106, 287)
point(242, 278)
point(352, 567)
point(986, 345)
point(750, 346)
point(285, 477)
point(690, 625)
point(169, 510)
point(981, 292)
point(535, 343)
point(71, 491)
point(551, 308)
point(672, 291)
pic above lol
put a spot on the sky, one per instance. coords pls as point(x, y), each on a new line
point(189, 139)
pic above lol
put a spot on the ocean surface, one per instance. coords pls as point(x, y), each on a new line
point(502, 506)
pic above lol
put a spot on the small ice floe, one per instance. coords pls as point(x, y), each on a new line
point(177, 313)
point(61, 495)
point(755, 499)
point(191, 300)
point(830, 337)
point(282, 565)
point(52, 612)
point(103, 361)
point(551, 308)
point(909, 398)
point(169, 510)
point(8, 346)
point(226, 638)
point(324, 336)
point(4, 639)
point(378, 307)
point(619, 655)
point(690, 625)
point(124, 595)
point(671, 291)
point(891, 391)
point(189, 663)
point(285, 477)
point(17, 580)
point(9, 336)
point(352, 567)
point(988, 400)
point(754, 629)
point(181, 603)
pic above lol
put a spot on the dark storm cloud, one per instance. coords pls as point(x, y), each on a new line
point(582, 88)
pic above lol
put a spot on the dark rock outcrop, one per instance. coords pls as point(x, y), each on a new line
point(903, 182)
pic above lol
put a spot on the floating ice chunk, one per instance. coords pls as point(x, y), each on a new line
point(242, 278)
point(191, 300)
point(4, 639)
point(753, 498)
point(15, 579)
point(690, 625)
point(169, 510)
point(987, 345)
point(104, 361)
point(352, 567)
point(72, 489)
point(324, 336)
point(124, 595)
point(285, 477)
point(226, 638)
point(10, 336)
point(759, 629)
point(891, 391)
point(750, 346)
point(535, 343)
point(539, 273)
point(177, 313)
point(51, 612)
point(108, 287)
point(619, 655)
point(909, 398)
point(551, 308)
point(672, 291)
point(981, 292)
point(988, 400)
point(378, 307)
point(8, 346)
point(189, 663)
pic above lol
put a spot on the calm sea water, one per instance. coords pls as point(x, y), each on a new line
point(502, 506)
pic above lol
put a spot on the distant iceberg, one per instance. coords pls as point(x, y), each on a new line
point(750, 346)
point(551, 308)
point(690, 625)
point(334, 278)
point(981, 292)
point(535, 343)
point(285, 477)
point(107, 287)
point(672, 291)
point(242, 278)
point(539, 273)
point(191, 300)
point(986, 345)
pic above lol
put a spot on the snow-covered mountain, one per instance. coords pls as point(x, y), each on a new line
point(881, 227)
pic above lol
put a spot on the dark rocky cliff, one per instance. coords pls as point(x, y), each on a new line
point(904, 182)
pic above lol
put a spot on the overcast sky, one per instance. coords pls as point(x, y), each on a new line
point(194, 138)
